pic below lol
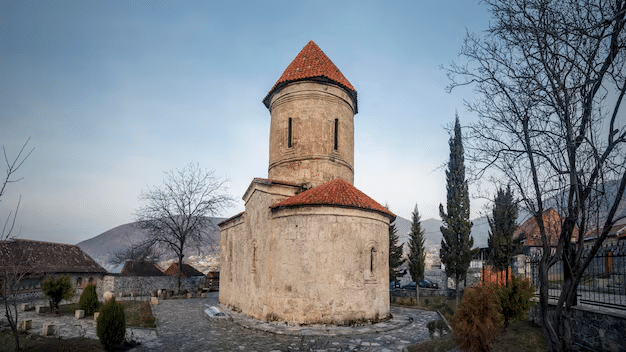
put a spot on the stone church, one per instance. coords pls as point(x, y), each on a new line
point(309, 247)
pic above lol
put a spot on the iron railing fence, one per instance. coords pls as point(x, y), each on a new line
point(603, 283)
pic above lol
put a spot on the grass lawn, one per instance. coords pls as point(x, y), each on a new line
point(138, 314)
point(519, 336)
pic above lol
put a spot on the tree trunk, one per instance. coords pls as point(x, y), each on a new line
point(458, 292)
point(178, 273)
point(417, 294)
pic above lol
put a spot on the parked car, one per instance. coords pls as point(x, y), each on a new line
point(409, 286)
point(394, 284)
point(428, 284)
point(423, 284)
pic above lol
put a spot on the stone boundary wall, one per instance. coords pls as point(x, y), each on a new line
point(601, 329)
point(424, 292)
point(145, 285)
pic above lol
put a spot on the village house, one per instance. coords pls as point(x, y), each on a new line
point(36, 259)
point(309, 247)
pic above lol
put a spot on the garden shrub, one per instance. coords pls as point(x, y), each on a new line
point(57, 289)
point(111, 325)
point(89, 300)
point(477, 321)
point(514, 298)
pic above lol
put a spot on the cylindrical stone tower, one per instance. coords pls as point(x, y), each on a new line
point(312, 129)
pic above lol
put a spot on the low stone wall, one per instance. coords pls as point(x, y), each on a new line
point(598, 329)
point(424, 292)
point(145, 285)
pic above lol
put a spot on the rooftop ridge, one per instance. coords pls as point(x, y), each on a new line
point(311, 63)
point(337, 192)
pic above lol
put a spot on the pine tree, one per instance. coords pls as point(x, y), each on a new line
point(417, 255)
point(395, 253)
point(456, 246)
point(503, 224)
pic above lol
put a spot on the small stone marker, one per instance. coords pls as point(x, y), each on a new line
point(79, 314)
point(27, 324)
point(47, 330)
point(189, 295)
point(95, 315)
point(154, 301)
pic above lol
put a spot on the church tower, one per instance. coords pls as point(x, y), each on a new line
point(312, 107)
point(309, 247)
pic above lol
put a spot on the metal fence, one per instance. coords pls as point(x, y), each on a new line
point(603, 283)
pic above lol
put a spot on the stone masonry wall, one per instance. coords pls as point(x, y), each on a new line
point(600, 329)
point(144, 285)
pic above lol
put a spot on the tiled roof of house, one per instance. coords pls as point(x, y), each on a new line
point(140, 268)
point(185, 271)
point(311, 62)
point(529, 234)
point(37, 257)
point(617, 231)
point(337, 192)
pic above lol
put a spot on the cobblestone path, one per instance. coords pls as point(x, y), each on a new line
point(183, 326)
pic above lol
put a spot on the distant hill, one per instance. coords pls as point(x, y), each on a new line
point(102, 247)
point(432, 232)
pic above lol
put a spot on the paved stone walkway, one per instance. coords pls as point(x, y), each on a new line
point(182, 325)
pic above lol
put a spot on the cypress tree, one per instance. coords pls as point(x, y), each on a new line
point(395, 253)
point(417, 255)
point(456, 245)
point(503, 224)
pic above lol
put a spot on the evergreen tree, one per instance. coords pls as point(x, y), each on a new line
point(395, 253)
point(417, 255)
point(503, 224)
point(456, 246)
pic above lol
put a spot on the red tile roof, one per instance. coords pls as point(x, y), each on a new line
point(529, 231)
point(185, 271)
point(311, 62)
point(335, 193)
point(140, 268)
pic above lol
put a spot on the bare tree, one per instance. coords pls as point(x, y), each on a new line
point(549, 77)
point(144, 251)
point(13, 261)
point(176, 213)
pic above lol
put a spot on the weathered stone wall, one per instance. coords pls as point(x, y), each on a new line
point(313, 108)
point(144, 285)
point(245, 271)
point(600, 328)
point(305, 264)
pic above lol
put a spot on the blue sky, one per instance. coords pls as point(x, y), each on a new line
point(114, 93)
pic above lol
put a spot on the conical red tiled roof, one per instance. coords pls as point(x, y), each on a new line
point(311, 62)
point(335, 193)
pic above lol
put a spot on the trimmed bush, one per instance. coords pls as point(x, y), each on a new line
point(57, 289)
point(514, 298)
point(89, 300)
point(477, 320)
point(111, 324)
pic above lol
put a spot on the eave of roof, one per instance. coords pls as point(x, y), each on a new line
point(337, 192)
point(312, 64)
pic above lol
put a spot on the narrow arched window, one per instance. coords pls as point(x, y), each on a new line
point(336, 134)
point(372, 251)
point(289, 133)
